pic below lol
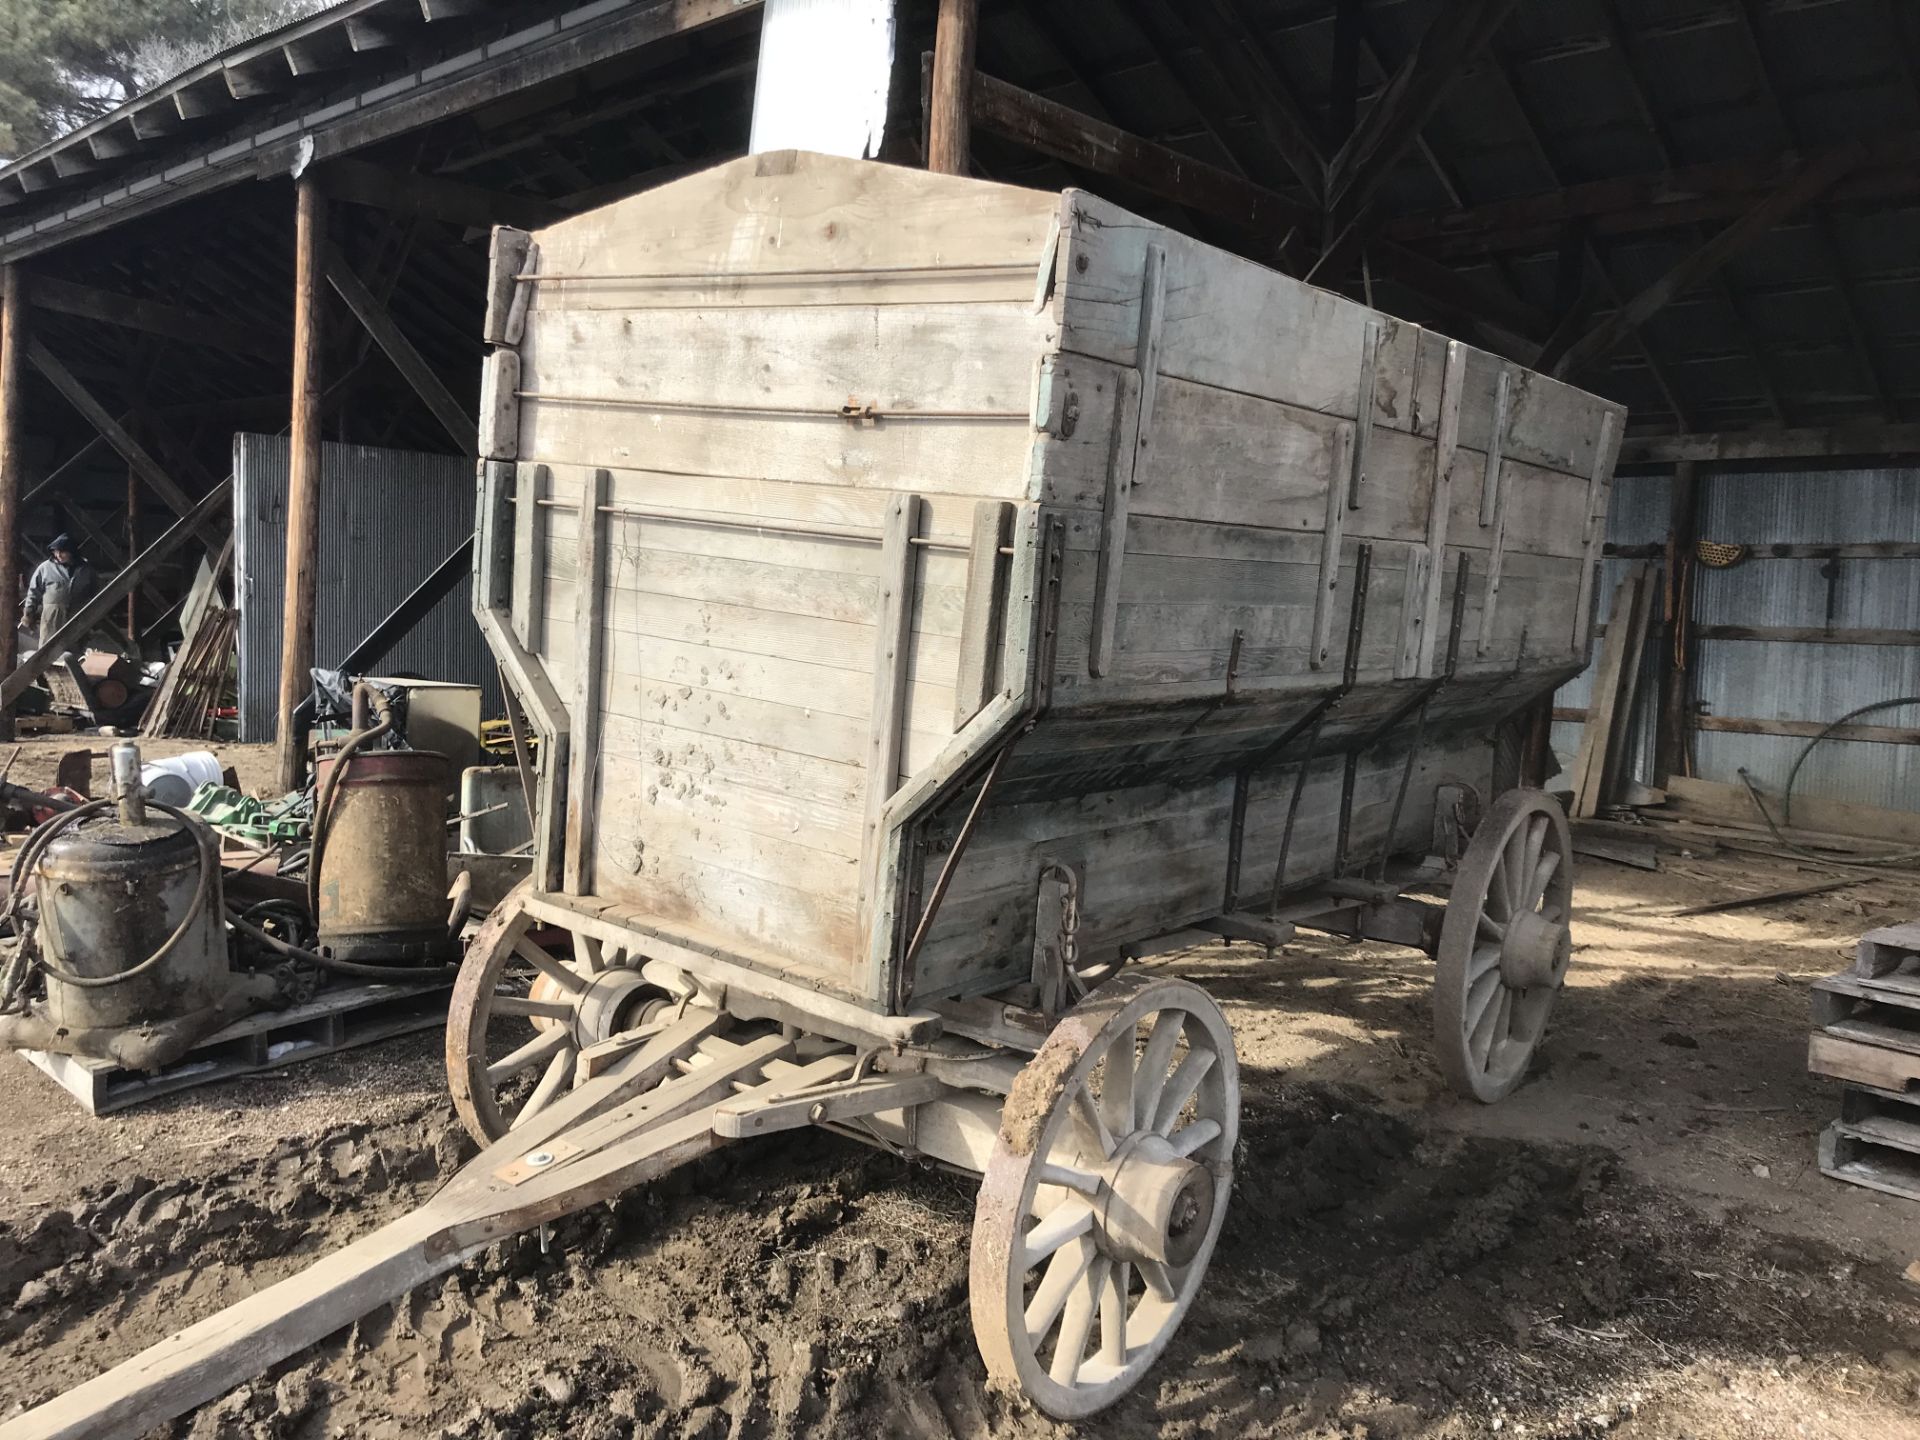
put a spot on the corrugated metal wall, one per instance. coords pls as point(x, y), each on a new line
point(1780, 680)
point(387, 518)
point(1787, 680)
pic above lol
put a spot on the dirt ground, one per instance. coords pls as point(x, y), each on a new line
point(1637, 1243)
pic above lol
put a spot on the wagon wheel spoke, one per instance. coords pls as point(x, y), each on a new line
point(587, 952)
point(1116, 1086)
point(536, 1051)
point(1114, 1301)
point(1159, 1281)
point(1076, 1323)
point(1543, 872)
point(558, 1072)
point(1064, 1271)
point(530, 1009)
point(1181, 1087)
point(563, 976)
point(1067, 1222)
point(1151, 1081)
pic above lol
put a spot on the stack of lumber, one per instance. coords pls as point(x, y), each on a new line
point(197, 682)
point(1867, 1035)
point(1603, 765)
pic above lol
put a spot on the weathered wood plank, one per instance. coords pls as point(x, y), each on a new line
point(978, 669)
point(893, 640)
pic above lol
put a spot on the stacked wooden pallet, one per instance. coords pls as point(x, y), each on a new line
point(1867, 1034)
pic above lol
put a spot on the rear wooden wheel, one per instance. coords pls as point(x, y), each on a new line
point(1105, 1194)
point(1505, 944)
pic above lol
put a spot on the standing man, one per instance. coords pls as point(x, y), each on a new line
point(60, 585)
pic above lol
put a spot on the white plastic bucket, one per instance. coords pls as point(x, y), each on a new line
point(172, 781)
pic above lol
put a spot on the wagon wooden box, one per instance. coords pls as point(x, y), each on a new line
point(929, 596)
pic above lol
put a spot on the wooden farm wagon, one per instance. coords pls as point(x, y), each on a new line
point(930, 597)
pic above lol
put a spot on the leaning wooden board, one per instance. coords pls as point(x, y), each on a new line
point(743, 435)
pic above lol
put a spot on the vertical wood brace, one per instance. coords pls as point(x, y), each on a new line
point(500, 406)
point(893, 642)
point(1236, 841)
point(980, 620)
point(1324, 603)
point(1496, 447)
point(1133, 432)
point(1363, 414)
point(1494, 508)
point(1446, 448)
point(511, 251)
point(589, 617)
point(1605, 453)
point(531, 485)
point(523, 672)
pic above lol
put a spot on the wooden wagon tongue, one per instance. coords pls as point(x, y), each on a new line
point(680, 1094)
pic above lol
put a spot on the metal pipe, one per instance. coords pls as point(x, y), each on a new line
point(126, 784)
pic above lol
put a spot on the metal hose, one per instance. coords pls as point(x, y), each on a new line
point(1888, 859)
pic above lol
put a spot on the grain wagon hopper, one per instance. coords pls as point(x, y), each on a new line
point(933, 597)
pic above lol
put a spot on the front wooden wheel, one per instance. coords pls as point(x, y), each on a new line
point(1105, 1194)
point(522, 1014)
point(1505, 944)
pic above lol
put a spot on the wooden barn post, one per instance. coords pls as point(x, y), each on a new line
point(951, 122)
point(303, 490)
point(13, 350)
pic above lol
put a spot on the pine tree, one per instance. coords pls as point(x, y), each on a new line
point(66, 62)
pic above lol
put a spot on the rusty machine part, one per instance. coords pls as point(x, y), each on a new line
point(118, 902)
point(377, 882)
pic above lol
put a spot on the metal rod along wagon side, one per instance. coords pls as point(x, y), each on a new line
point(930, 596)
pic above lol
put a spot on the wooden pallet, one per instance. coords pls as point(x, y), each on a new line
point(338, 1019)
point(1875, 1142)
point(1867, 1031)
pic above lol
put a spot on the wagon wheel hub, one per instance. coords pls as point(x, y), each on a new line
point(1159, 1204)
point(613, 1001)
point(1534, 951)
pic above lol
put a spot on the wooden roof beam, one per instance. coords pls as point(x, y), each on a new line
point(1824, 442)
point(144, 465)
point(431, 197)
point(1888, 167)
point(1703, 262)
point(153, 317)
point(1393, 123)
point(1064, 133)
point(1269, 99)
point(413, 368)
point(114, 144)
point(256, 78)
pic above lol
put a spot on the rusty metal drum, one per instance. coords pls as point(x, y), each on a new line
point(382, 881)
point(111, 893)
